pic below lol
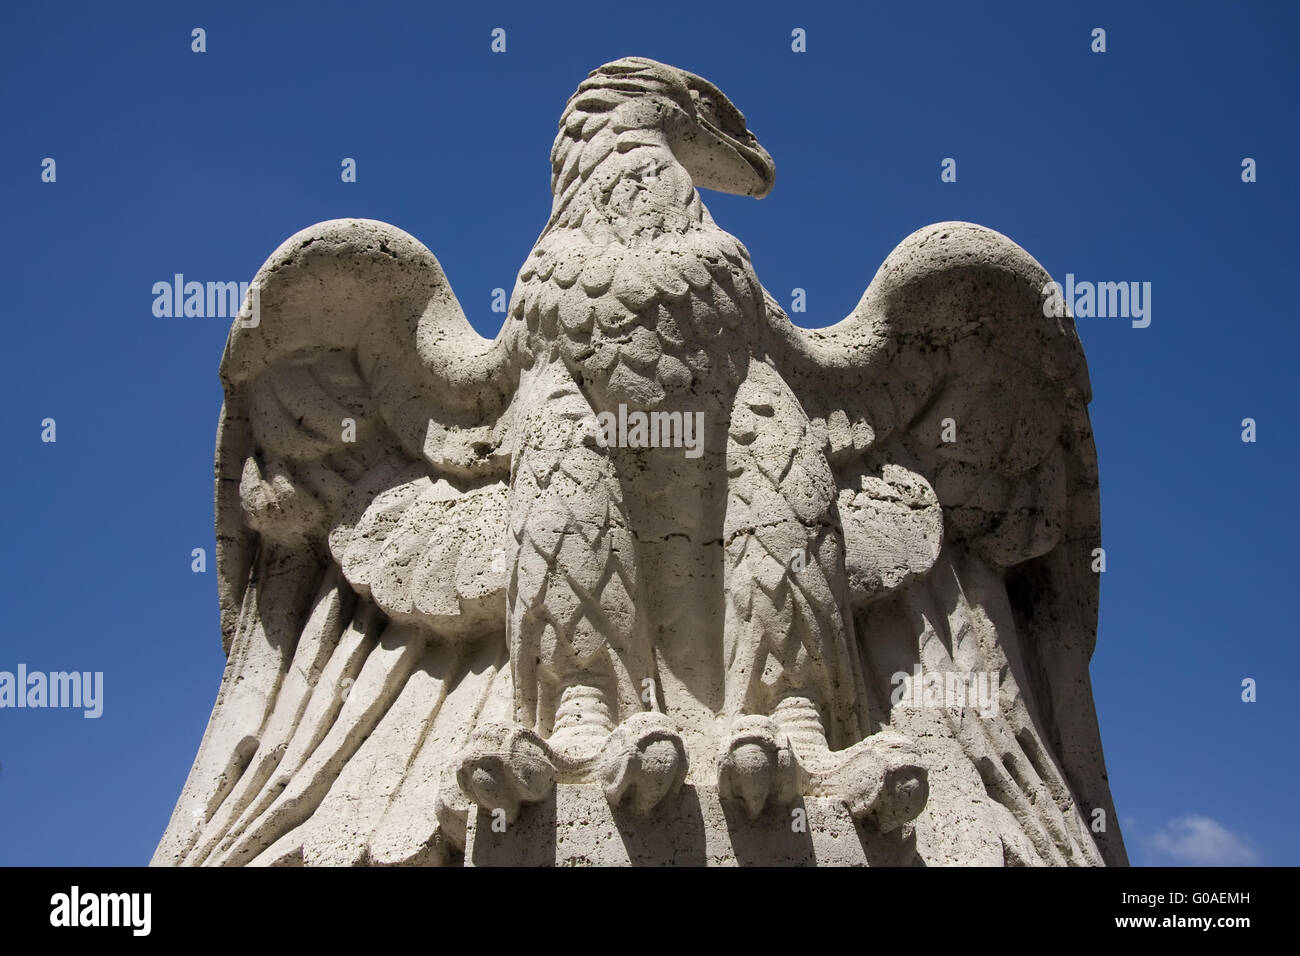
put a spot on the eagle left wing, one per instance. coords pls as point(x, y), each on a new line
point(954, 410)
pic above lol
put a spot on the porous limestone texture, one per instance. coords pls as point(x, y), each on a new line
point(654, 571)
point(575, 825)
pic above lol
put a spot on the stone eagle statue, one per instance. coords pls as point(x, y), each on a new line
point(447, 584)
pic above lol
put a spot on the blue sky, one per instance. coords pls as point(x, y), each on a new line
point(1115, 166)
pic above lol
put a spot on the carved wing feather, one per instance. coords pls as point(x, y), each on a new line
point(948, 390)
point(356, 322)
point(955, 416)
point(362, 460)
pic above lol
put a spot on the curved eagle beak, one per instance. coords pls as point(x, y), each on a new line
point(718, 150)
point(757, 175)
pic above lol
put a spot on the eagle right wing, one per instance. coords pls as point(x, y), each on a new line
point(362, 465)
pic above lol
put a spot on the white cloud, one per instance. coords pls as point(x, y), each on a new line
point(1199, 841)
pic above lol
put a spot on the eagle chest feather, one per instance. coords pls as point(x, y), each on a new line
point(639, 319)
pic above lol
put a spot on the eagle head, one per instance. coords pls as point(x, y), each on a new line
point(705, 131)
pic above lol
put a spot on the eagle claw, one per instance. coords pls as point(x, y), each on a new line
point(505, 767)
point(645, 757)
point(879, 778)
point(756, 764)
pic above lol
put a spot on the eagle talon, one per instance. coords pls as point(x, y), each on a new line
point(645, 757)
point(757, 765)
point(505, 767)
point(879, 778)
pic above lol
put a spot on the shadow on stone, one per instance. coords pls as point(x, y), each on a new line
point(779, 836)
point(529, 841)
point(671, 835)
point(889, 849)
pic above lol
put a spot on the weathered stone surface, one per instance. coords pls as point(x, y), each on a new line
point(576, 826)
point(653, 546)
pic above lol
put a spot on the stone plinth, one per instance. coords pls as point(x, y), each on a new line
point(575, 826)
